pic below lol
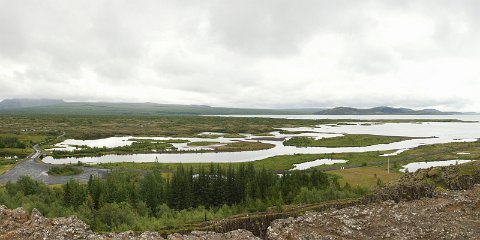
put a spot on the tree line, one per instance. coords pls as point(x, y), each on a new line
point(185, 188)
point(122, 199)
point(11, 142)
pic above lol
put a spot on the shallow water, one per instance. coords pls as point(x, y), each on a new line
point(318, 162)
point(433, 133)
point(413, 167)
point(111, 142)
point(394, 153)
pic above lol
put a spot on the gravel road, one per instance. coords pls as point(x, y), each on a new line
point(38, 171)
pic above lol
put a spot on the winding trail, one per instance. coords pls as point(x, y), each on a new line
point(38, 171)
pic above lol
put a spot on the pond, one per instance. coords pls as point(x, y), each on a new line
point(430, 133)
point(413, 167)
point(394, 153)
point(318, 162)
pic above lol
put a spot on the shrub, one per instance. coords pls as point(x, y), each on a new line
point(66, 170)
point(116, 215)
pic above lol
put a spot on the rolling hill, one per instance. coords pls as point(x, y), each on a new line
point(147, 109)
point(54, 106)
point(23, 103)
point(381, 111)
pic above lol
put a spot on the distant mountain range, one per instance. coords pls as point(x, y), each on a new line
point(382, 111)
point(24, 103)
point(42, 106)
point(55, 106)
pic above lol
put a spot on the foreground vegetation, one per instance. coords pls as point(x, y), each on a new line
point(348, 140)
point(125, 201)
point(66, 170)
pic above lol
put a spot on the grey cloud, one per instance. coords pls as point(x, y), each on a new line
point(276, 27)
point(369, 59)
point(116, 36)
point(179, 63)
point(242, 53)
point(456, 26)
point(13, 41)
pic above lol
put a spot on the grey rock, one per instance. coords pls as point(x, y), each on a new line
point(18, 224)
point(450, 215)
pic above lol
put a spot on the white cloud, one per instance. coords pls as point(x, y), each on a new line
point(248, 53)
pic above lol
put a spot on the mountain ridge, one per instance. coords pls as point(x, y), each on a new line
point(16, 103)
point(58, 106)
point(147, 108)
point(382, 111)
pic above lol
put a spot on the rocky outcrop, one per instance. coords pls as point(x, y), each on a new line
point(449, 215)
point(435, 203)
point(18, 224)
point(257, 223)
point(406, 191)
point(197, 235)
point(425, 182)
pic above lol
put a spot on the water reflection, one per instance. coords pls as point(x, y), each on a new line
point(444, 132)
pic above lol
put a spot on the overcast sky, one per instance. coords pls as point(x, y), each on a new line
point(244, 53)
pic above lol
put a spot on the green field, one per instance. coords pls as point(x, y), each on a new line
point(95, 126)
point(19, 144)
point(243, 146)
point(202, 143)
point(280, 163)
point(436, 152)
point(348, 140)
point(367, 177)
point(233, 135)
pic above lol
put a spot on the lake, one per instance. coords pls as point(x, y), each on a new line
point(432, 133)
